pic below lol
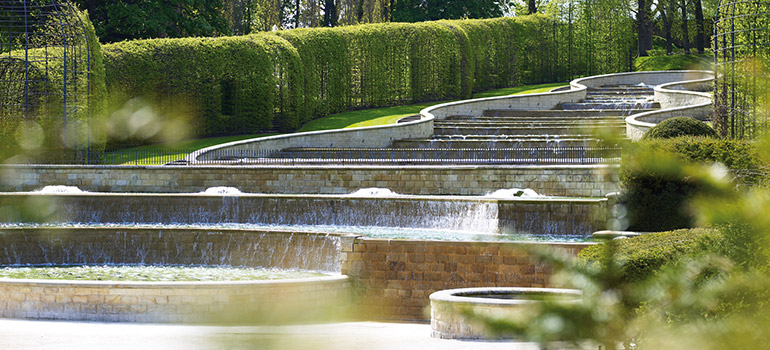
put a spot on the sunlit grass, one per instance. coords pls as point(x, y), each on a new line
point(168, 152)
point(674, 62)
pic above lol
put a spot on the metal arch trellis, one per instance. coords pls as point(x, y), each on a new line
point(742, 62)
point(44, 65)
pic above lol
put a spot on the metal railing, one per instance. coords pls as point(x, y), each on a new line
point(354, 156)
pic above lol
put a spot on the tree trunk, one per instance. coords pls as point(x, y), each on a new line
point(532, 6)
point(685, 29)
point(643, 27)
point(700, 25)
point(330, 13)
point(665, 16)
point(297, 5)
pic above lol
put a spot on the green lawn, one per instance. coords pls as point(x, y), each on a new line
point(674, 62)
point(164, 153)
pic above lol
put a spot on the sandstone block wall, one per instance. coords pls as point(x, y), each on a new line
point(261, 302)
point(394, 278)
point(578, 181)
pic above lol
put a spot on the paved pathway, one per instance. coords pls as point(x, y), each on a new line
point(21, 334)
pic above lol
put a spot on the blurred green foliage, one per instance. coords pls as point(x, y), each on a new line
point(642, 257)
point(656, 196)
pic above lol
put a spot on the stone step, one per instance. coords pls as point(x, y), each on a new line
point(499, 143)
point(528, 123)
point(535, 119)
point(506, 137)
point(511, 113)
point(534, 130)
point(622, 88)
point(609, 99)
point(608, 106)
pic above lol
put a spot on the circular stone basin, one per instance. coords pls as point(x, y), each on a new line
point(195, 298)
point(220, 302)
point(459, 313)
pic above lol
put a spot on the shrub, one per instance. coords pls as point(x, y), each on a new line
point(741, 157)
point(680, 126)
point(656, 191)
point(641, 257)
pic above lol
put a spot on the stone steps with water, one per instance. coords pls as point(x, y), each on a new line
point(525, 130)
point(527, 123)
point(624, 106)
point(579, 113)
point(502, 136)
point(477, 142)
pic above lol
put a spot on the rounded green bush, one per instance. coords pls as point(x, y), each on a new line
point(680, 126)
point(644, 255)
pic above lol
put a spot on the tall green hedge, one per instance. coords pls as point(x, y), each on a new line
point(236, 84)
point(282, 79)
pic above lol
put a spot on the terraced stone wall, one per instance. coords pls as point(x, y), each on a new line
point(576, 181)
point(394, 278)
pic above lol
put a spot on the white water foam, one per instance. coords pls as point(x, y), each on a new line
point(59, 189)
point(373, 192)
point(513, 192)
point(221, 190)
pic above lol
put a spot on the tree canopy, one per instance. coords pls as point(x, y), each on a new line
point(143, 19)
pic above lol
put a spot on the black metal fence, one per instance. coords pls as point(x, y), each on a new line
point(742, 61)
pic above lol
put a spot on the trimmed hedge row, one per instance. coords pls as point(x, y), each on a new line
point(282, 79)
point(246, 83)
point(641, 257)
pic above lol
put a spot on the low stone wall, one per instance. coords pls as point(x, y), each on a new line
point(261, 302)
point(539, 101)
point(577, 181)
point(394, 278)
point(648, 78)
point(366, 137)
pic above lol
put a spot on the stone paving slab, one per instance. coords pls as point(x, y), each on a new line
point(17, 335)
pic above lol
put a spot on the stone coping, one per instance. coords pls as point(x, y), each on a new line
point(312, 167)
point(181, 227)
point(461, 295)
point(453, 243)
point(400, 197)
point(332, 278)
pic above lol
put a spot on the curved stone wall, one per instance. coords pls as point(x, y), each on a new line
point(462, 313)
point(188, 302)
point(366, 137)
point(382, 136)
point(684, 98)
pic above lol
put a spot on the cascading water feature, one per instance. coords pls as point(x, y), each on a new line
point(502, 212)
